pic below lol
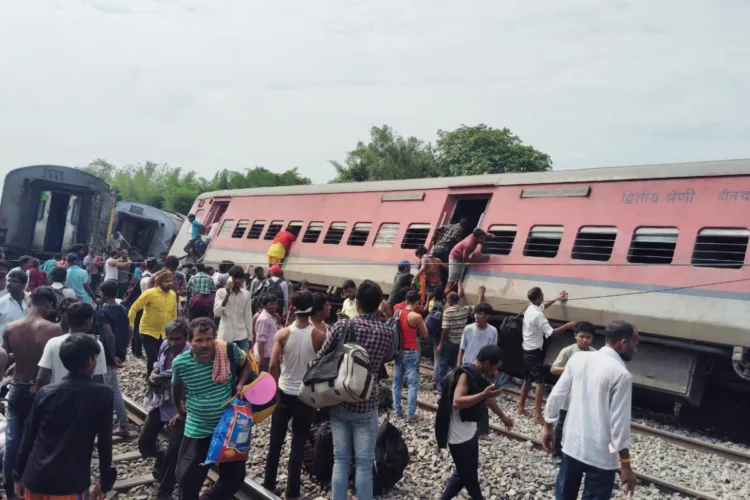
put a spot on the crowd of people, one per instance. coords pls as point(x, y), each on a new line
point(68, 325)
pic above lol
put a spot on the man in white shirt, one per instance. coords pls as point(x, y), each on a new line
point(536, 328)
point(24, 264)
point(58, 277)
point(233, 307)
point(51, 369)
point(597, 428)
point(13, 305)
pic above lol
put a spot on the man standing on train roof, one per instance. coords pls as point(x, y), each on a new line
point(279, 247)
point(25, 339)
point(536, 328)
point(463, 254)
point(597, 428)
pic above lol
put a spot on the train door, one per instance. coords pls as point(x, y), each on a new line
point(42, 219)
point(471, 207)
point(71, 221)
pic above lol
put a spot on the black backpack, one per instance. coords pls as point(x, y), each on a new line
point(391, 459)
point(394, 325)
point(274, 288)
point(510, 333)
point(322, 464)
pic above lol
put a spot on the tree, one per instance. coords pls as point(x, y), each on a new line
point(387, 156)
point(486, 150)
point(170, 188)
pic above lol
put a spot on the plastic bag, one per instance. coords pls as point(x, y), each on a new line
point(231, 438)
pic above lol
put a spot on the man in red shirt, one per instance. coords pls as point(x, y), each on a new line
point(462, 254)
point(407, 363)
point(279, 247)
point(37, 277)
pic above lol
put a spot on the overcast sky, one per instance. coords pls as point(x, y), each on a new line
point(207, 85)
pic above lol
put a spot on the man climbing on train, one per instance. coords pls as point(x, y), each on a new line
point(279, 247)
point(195, 233)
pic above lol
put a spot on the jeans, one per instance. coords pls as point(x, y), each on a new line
point(111, 380)
point(243, 344)
point(597, 485)
point(448, 360)
point(559, 432)
point(191, 474)
point(151, 346)
point(407, 364)
point(465, 475)
point(288, 408)
point(20, 399)
point(353, 434)
point(166, 460)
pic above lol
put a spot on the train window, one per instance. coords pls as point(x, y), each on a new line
point(42, 207)
point(239, 229)
point(416, 235)
point(653, 245)
point(295, 227)
point(313, 232)
point(256, 229)
point(543, 241)
point(359, 234)
point(503, 239)
point(724, 248)
point(386, 235)
point(335, 233)
point(198, 217)
point(225, 227)
point(594, 243)
point(273, 229)
point(75, 210)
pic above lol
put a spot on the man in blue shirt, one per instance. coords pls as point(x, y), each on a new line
point(195, 234)
point(78, 279)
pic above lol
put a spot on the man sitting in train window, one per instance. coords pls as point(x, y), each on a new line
point(463, 254)
point(279, 247)
point(349, 308)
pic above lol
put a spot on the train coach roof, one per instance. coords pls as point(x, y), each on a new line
point(721, 168)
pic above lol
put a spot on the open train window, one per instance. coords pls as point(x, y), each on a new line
point(386, 235)
point(359, 234)
point(653, 245)
point(723, 248)
point(273, 229)
point(416, 236)
point(594, 243)
point(225, 227)
point(543, 241)
point(256, 229)
point(313, 232)
point(239, 229)
point(295, 227)
point(502, 241)
point(335, 233)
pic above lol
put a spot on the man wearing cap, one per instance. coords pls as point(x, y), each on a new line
point(401, 283)
point(78, 279)
point(276, 280)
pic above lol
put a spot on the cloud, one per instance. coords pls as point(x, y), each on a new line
point(207, 85)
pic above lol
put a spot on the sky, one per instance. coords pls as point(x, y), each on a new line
point(207, 85)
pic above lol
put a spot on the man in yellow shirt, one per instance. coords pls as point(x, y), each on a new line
point(159, 306)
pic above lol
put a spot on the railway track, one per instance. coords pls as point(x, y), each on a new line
point(667, 487)
point(671, 437)
point(250, 490)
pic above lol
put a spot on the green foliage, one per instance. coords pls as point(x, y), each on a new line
point(464, 151)
point(486, 150)
point(170, 188)
point(387, 156)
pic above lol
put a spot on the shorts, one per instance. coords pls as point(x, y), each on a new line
point(455, 270)
point(533, 362)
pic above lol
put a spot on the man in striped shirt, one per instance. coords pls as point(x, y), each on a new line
point(200, 284)
point(199, 399)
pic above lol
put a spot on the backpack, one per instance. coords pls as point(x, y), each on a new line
point(434, 320)
point(343, 375)
point(322, 462)
point(510, 333)
point(134, 291)
point(203, 301)
point(391, 458)
point(274, 288)
point(394, 325)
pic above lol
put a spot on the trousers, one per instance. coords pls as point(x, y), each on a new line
point(465, 474)
point(20, 399)
point(166, 460)
point(191, 474)
point(597, 485)
point(151, 346)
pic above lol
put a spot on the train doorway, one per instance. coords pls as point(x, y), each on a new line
point(56, 222)
point(471, 208)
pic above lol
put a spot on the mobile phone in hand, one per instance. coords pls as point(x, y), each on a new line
point(501, 381)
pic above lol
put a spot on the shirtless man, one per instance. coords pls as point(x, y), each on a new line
point(25, 339)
